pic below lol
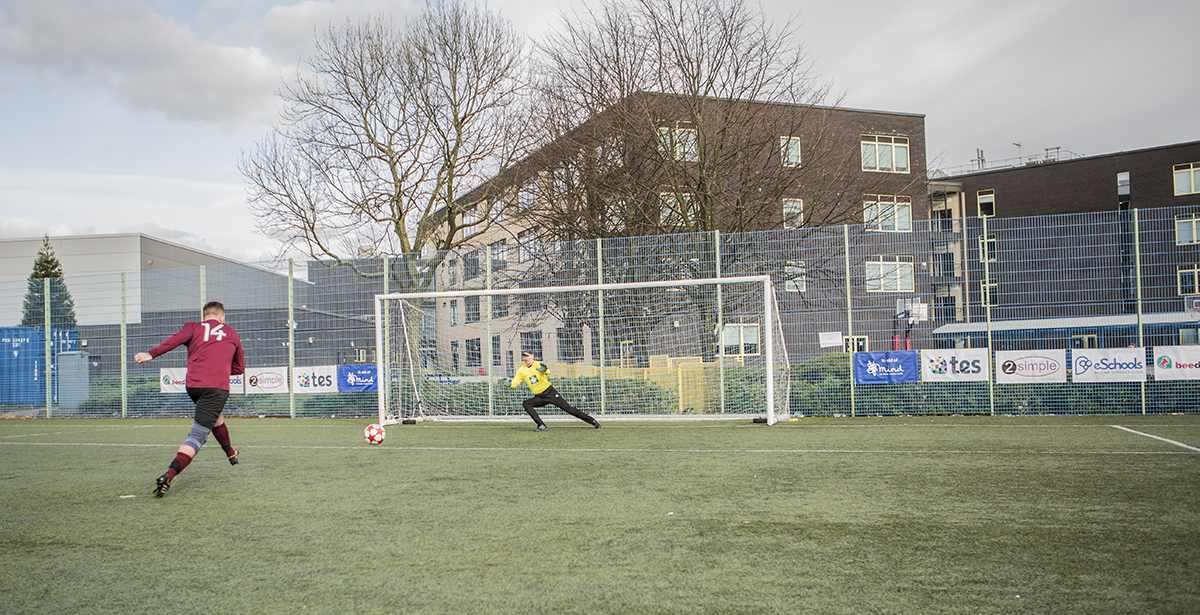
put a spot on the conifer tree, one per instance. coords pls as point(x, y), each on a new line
point(62, 306)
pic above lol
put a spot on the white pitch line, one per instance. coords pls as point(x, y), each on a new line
point(1190, 448)
point(634, 450)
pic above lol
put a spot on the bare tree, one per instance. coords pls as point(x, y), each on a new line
point(383, 131)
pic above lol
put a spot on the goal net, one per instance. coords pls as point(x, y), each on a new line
point(664, 349)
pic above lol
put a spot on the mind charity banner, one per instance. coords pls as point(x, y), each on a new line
point(886, 367)
point(356, 378)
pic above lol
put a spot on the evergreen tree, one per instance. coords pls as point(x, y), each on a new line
point(62, 306)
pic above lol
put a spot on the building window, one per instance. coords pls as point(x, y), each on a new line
point(500, 306)
point(531, 341)
point(987, 202)
point(1187, 178)
point(945, 304)
point(854, 343)
point(527, 195)
point(452, 271)
point(942, 264)
point(890, 274)
point(1189, 337)
point(474, 354)
point(1084, 340)
point(453, 312)
point(679, 143)
point(793, 213)
point(987, 247)
point(740, 339)
point(570, 344)
point(795, 277)
point(496, 350)
point(943, 213)
point(677, 209)
point(990, 291)
point(789, 151)
point(454, 355)
point(525, 240)
point(1189, 279)
point(471, 265)
point(886, 154)
point(1187, 229)
point(472, 308)
point(499, 255)
point(885, 212)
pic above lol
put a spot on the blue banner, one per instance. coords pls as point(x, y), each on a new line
point(356, 378)
point(886, 367)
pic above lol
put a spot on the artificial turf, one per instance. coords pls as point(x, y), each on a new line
point(866, 515)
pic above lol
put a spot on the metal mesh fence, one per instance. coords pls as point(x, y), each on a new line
point(979, 304)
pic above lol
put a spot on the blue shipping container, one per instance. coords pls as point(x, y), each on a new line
point(22, 366)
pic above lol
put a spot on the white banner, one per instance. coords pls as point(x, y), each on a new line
point(237, 384)
point(1108, 365)
point(172, 380)
point(1021, 366)
point(1177, 362)
point(321, 379)
point(266, 380)
point(955, 365)
point(830, 339)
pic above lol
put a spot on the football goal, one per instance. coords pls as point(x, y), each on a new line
point(700, 348)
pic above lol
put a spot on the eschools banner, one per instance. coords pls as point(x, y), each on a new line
point(174, 380)
point(1108, 365)
point(886, 367)
point(955, 365)
point(1177, 362)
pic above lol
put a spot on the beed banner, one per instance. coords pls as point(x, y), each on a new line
point(172, 380)
point(1024, 366)
point(886, 367)
point(356, 378)
point(266, 380)
point(321, 379)
point(1177, 362)
point(955, 365)
point(1108, 365)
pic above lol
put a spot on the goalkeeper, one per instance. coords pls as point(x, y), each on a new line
point(534, 375)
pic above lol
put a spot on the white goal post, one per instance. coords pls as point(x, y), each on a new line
point(667, 349)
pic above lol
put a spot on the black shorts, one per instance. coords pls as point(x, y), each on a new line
point(209, 404)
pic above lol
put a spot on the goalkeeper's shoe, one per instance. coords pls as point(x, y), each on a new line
point(232, 456)
point(161, 485)
point(541, 428)
point(595, 423)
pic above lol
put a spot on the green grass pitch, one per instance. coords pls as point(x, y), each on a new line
point(866, 515)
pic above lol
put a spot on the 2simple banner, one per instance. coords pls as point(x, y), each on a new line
point(265, 380)
point(1026, 366)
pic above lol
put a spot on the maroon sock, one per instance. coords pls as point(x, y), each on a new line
point(180, 462)
point(221, 433)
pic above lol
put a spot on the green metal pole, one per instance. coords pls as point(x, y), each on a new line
point(49, 346)
point(849, 314)
point(488, 360)
point(720, 324)
point(124, 354)
point(987, 312)
point(1137, 275)
point(291, 324)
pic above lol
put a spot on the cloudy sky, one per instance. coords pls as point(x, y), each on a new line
point(131, 115)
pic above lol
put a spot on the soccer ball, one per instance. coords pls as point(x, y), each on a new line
point(374, 434)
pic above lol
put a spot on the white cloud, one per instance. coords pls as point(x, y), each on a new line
point(145, 61)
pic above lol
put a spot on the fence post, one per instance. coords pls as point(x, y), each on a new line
point(486, 357)
point(49, 345)
point(986, 295)
point(849, 315)
point(721, 324)
point(600, 309)
point(124, 354)
point(1137, 275)
point(291, 325)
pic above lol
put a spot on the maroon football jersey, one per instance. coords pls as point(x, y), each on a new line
point(214, 353)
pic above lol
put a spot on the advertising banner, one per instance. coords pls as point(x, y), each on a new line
point(886, 367)
point(1108, 365)
point(955, 365)
point(237, 384)
point(172, 380)
point(356, 378)
point(1024, 366)
point(1177, 362)
point(321, 379)
point(266, 380)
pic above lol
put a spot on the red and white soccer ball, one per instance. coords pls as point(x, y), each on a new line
point(374, 434)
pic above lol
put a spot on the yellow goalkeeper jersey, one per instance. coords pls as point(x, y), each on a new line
point(533, 375)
